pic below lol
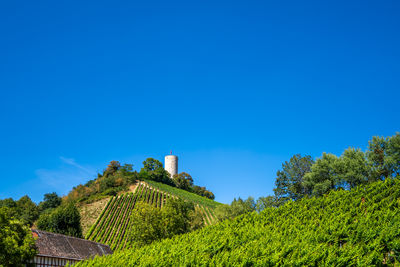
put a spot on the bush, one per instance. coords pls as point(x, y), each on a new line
point(63, 220)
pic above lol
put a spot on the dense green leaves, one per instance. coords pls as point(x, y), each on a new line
point(150, 224)
point(236, 208)
point(289, 182)
point(17, 245)
point(196, 198)
point(24, 209)
point(50, 201)
point(63, 220)
point(301, 176)
point(343, 228)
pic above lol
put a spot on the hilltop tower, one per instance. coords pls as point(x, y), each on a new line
point(171, 164)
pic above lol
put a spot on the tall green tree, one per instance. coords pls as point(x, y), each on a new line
point(63, 220)
point(377, 158)
point(50, 201)
point(289, 182)
point(150, 224)
point(352, 168)
point(154, 170)
point(17, 246)
point(28, 210)
point(183, 180)
point(323, 176)
point(393, 155)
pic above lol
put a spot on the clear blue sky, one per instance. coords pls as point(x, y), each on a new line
point(234, 88)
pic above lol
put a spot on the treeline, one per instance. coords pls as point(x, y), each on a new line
point(302, 176)
point(117, 177)
point(17, 245)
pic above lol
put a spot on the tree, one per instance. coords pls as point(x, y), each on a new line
point(202, 191)
point(323, 176)
point(146, 225)
point(177, 215)
point(183, 180)
point(289, 182)
point(151, 164)
point(23, 209)
point(50, 201)
point(236, 208)
point(63, 220)
point(352, 168)
point(154, 170)
point(17, 246)
point(28, 211)
point(112, 168)
point(266, 202)
point(377, 158)
point(150, 224)
point(393, 152)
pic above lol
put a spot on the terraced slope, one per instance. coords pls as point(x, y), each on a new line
point(360, 227)
point(114, 222)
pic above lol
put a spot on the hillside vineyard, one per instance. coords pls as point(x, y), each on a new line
point(360, 227)
point(114, 222)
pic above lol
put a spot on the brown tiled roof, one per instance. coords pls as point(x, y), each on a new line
point(62, 246)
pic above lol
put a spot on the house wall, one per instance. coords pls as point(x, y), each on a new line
point(42, 261)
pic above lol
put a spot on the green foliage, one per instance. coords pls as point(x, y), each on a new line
point(146, 225)
point(384, 157)
point(151, 224)
point(289, 182)
point(359, 227)
point(236, 208)
point(151, 164)
point(301, 176)
point(17, 246)
point(183, 180)
point(50, 201)
point(323, 176)
point(184, 194)
point(23, 209)
point(202, 191)
point(353, 168)
point(154, 170)
point(267, 202)
point(65, 219)
point(115, 178)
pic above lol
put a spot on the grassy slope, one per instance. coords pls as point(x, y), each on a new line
point(184, 194)
point(90, 212)
point(361, 227)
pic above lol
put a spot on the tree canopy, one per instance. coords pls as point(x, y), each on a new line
point(65, 219)
point(151, 224)
point(17, 246)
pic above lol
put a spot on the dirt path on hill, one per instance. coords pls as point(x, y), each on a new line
point(133, 187)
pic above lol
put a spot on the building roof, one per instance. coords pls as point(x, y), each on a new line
point(62, 246)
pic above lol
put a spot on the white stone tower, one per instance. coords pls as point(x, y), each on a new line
point(171, 164)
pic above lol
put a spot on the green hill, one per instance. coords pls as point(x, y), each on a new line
point(114, 222)
point(343, 228)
